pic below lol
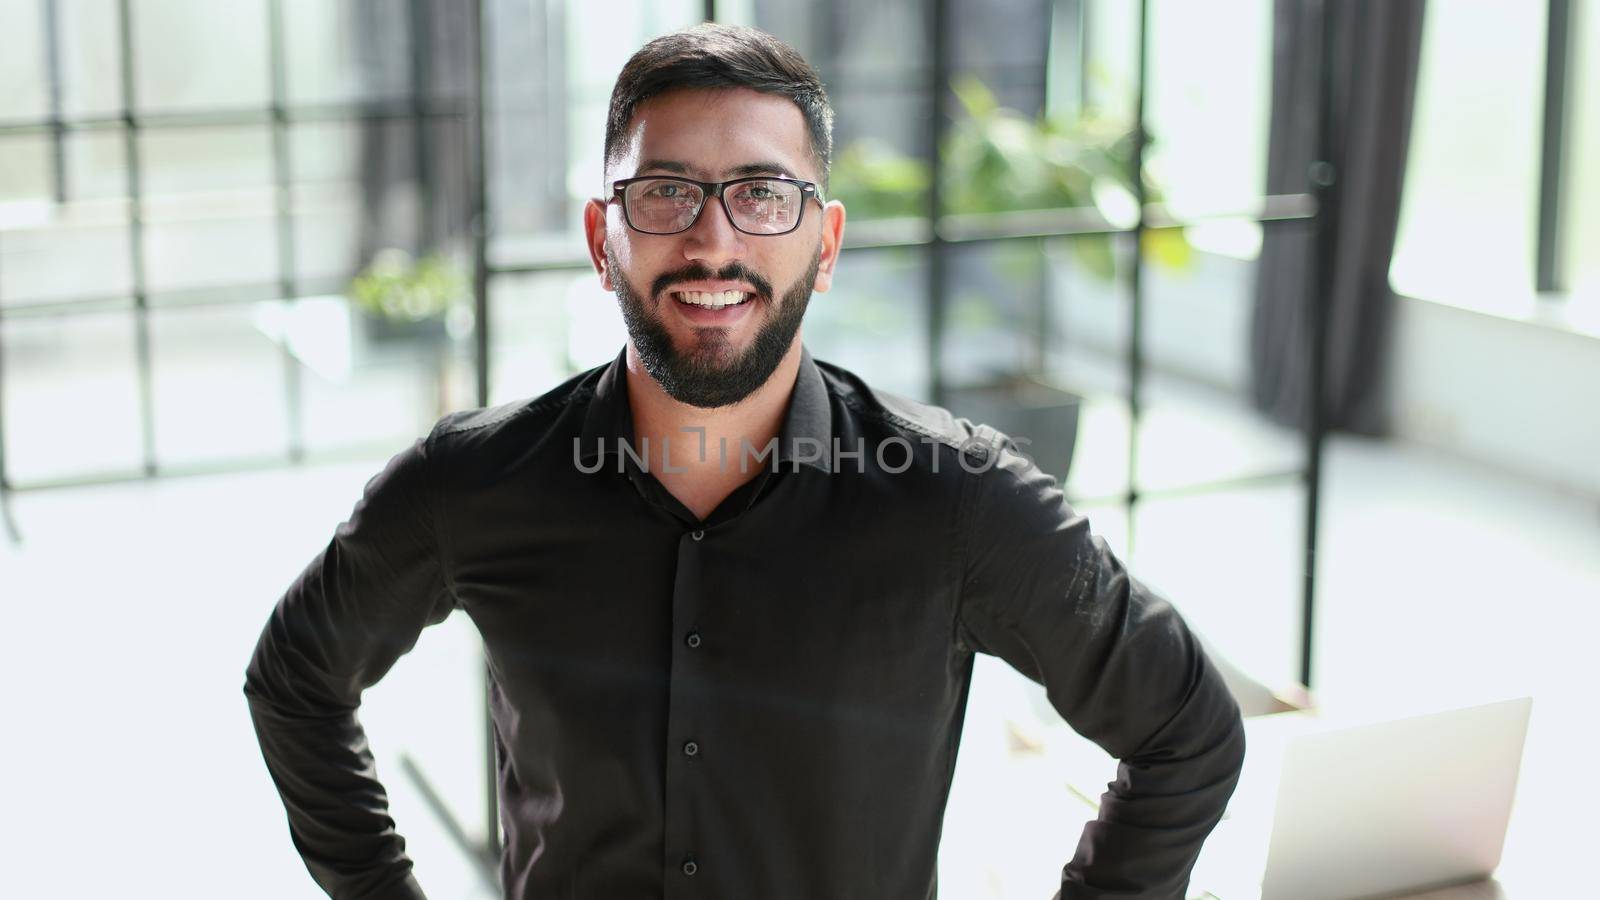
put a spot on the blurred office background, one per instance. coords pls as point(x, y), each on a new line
point(250, 249)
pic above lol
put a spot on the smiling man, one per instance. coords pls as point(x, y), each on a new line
point(730, 595)
point(713, 303)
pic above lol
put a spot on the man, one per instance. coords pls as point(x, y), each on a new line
point(730, 595)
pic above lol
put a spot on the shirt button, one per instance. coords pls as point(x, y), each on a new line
point(697, 534)
point(689, 868)
point(690, 748)
point(693, 640)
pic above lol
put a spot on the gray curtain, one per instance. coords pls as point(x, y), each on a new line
point(1376, 45)
point(416, 175)
point(881, 95)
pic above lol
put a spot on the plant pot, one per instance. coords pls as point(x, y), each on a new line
point(1041, 418)
point(392, 330)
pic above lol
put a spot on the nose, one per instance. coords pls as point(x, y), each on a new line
point(713, 239)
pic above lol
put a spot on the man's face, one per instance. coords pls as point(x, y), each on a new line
point(701, 356)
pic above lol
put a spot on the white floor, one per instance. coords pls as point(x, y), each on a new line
point(129, 764)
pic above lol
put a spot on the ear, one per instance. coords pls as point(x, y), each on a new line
point(832, 242)
point(594, 232)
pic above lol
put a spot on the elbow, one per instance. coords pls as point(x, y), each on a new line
point(1224, 747)
point(271, 686)
point(1236, 742)
point(257, 685)
point(257, 689)
point(251, 687)
point(1227, 753)
point(1231, 746)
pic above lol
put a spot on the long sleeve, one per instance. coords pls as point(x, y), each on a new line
point(345, 620)
point(1118, 663)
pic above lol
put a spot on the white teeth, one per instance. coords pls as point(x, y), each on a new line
point(711, 299)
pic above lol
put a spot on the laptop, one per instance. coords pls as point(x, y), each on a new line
point(1338, 813)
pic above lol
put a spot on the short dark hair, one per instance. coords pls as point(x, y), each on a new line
point(712, 55)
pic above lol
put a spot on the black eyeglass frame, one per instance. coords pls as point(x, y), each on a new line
point(709, 189)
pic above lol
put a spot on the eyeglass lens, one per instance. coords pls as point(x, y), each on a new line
point(666, 206)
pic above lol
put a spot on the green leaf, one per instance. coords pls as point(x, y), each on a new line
point(1167, 247)
point(1094, 253)
point(975, 96)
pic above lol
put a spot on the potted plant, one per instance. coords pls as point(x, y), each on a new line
point(999, 162)
point(400, 298)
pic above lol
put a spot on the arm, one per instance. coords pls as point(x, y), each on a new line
point(1117, 662)
point(355, 609)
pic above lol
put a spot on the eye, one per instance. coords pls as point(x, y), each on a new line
point(757, 195)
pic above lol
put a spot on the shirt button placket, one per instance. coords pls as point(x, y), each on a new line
point(683, 717)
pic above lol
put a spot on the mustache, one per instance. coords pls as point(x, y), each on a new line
point(734, 271)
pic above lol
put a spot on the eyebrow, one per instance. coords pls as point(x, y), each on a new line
point(740, 171)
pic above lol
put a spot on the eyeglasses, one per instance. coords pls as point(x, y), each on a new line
point(764, 205)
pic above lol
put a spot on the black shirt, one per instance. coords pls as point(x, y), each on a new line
point(764, 704)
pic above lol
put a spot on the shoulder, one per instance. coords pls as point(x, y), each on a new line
point(499, 434)
point(880, 414)
point(999, 477)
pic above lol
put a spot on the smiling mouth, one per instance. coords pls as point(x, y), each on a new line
point(712, 299)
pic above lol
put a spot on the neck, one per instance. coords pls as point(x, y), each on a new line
point(667, 423)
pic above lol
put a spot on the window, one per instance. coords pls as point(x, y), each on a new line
point(1582, 201)
point(1468, 222)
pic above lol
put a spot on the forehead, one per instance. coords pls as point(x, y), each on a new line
point(711, 131)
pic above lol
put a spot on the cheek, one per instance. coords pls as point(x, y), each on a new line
point(621, 253)
point(787, 268)
point(639, 263)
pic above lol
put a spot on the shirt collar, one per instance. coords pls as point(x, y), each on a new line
point(806, 436)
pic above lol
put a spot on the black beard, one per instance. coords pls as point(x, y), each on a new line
point(704, 375)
